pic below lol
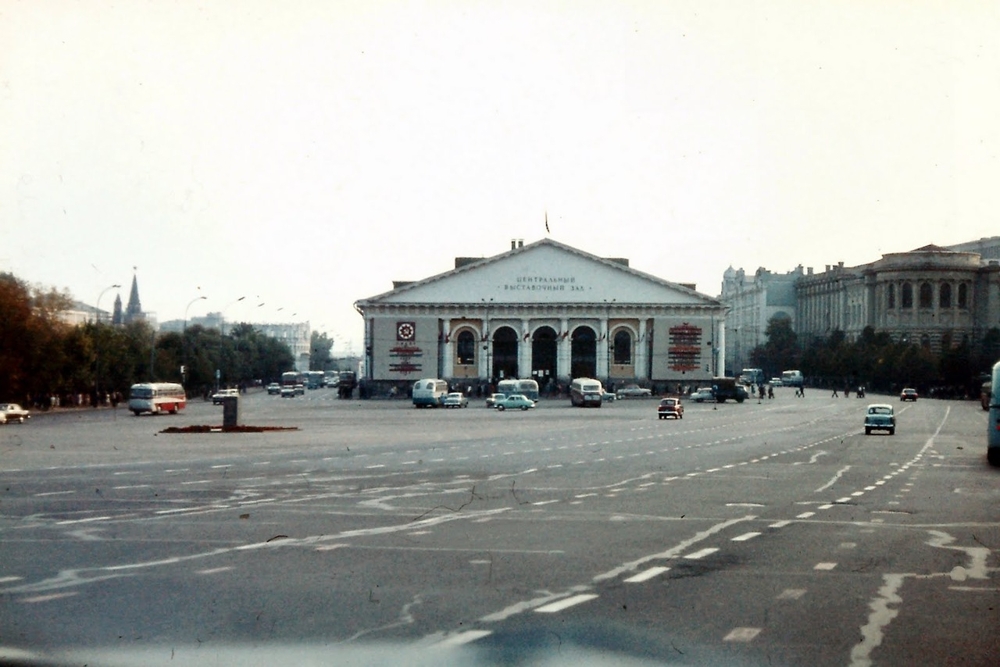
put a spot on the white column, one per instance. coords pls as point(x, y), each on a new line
point(563, 350)
point(448, 367)
point(524, 350)
point(641, 345)
point(602, 350)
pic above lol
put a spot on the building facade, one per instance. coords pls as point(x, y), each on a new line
point(751, 302)
point(938, 297)
point(544, 311)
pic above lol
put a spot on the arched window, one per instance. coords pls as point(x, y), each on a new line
point(623, 348)
point(907, 297)
point(944, 297)
point(963, 295)
point(926, 295)
point(892, 296)
point(465, 349)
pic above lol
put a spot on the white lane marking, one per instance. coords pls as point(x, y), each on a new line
point(54, 493)
point(741, 635)
point(780, 524)
point(190, 509)
point(7, 580)
point(52, 596)
point(824, 507)
point(226, 465)
point(378, 465)
point(698, 555)
point(462, 638)
point(673, 551)
point(330, 547)
point(214, 570)
point(545, 502)
point(791, 594)
point(553, 607)
point(744, 537)
point(744, 505)
point(843, 500)
point(834, 480)
point(647, 575)
point(131, 486)
point(824, 566)
point(72, 521)
point(805, 515)
point(858, 493)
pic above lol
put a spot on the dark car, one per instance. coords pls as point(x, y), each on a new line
point(908, 395)
point(670, 407)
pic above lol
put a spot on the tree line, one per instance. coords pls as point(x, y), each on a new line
point(878, 362)
point(42, 357)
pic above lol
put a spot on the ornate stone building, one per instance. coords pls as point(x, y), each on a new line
point(933, 296)
point(752, 301)
point(545, 311)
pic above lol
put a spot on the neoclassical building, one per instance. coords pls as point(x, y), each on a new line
point(753, 300)
point(934, 296)
point(545, 311)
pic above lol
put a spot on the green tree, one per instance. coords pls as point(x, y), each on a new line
point(320, 348)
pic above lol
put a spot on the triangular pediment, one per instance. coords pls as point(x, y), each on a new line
point(543, 272)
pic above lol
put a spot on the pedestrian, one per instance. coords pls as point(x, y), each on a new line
point(770, 391)
point(835, 394)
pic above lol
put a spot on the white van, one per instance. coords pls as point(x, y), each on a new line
point(429, 392)
point(993, 420)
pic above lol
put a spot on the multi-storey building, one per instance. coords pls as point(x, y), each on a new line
point(752, 302)
point(934, 296)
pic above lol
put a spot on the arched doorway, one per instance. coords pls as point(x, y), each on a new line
point(543, 355)
point(505, 353)
point(583, 353)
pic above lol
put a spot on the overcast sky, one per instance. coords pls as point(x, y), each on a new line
point(305, 154)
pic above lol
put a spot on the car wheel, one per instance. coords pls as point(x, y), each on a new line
point(868, 431)
point(137, 412)
point(501, 408)
point(993, 456)
point(524, 407)
point(892, 431)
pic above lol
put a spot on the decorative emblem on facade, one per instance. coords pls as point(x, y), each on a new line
point(405, 331)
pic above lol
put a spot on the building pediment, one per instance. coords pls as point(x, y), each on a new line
point(544, 272)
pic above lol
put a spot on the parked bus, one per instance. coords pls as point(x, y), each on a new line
point(156, 397)
point(586, 393)
point(429, 392)
point(752, 376)
point(791, 378)
point(528, 388)
point(314, 379)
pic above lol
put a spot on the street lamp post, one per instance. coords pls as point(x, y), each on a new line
point(184, 333)
point(223, 323)
point(97, 308)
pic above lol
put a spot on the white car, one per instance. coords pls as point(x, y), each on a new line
point(701, 395)
point(455, 399)
point(633, 391)
point(12, 412)
point(222, 394)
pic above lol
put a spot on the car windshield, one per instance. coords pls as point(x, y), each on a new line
point(880, 410)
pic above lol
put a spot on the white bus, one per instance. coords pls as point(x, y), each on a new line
point(527, 388)
point(429, 392)
point(791, 378)
point(586, 392)
point(156, 397)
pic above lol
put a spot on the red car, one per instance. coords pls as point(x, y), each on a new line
point(670, 407)
point(908, 395)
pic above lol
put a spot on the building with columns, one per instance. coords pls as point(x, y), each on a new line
point(934, 296)
point(545, 311)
